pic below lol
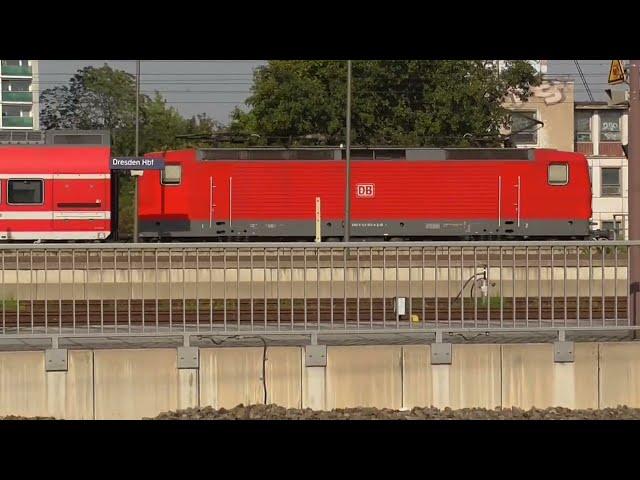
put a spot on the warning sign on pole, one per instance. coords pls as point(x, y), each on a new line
point(616, 72)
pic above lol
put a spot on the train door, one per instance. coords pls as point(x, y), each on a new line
point(180, 201)
point(209, 228)
point(510, 197)
point(80, 205)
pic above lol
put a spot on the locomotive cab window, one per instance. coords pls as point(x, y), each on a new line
point(558, 174)
point(171, 175)
point(25, 192)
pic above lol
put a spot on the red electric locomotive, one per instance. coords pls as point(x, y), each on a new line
point(413, 193)
point(55, 192)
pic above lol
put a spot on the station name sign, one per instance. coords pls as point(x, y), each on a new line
point(137, 163)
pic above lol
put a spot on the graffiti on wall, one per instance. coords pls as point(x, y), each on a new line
point(551, 92)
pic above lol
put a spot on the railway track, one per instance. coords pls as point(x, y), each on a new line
point(312, 313)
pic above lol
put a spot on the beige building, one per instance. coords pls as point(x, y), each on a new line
point(593, 128)
point(600, 132)
point(19, 95)
point(552, 104)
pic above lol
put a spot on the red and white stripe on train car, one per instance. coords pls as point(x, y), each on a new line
point(72, 206)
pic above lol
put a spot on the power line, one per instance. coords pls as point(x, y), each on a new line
point(584, 80)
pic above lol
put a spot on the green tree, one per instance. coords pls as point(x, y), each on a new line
point(438, 103)
point(95, 99)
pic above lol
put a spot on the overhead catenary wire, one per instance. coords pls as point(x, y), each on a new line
point(584, 80)
point(181, 88)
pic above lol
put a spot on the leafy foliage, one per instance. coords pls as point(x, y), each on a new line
point(422, 103)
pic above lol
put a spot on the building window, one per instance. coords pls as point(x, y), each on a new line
point(610, 180)
point(613, 226)
point(610, 128)
point(583, 126)
point(22, 111)
point(172, 175)
point(16, 63)
point(25, 192)
point(16, 86)
point(524, 128)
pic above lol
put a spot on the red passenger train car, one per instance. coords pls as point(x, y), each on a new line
point(55, 192)
point(413, 193)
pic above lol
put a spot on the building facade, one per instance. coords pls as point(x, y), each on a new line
point(551, 118)
point(19, 95)
point(600, 132)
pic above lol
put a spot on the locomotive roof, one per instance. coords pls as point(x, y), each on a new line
point(364, 153)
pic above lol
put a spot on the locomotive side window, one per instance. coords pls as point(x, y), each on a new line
point(25, 192)
point(558, 174)
point(172, 175)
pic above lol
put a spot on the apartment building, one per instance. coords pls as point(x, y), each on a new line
point(600, 131)
point(19, 95)
point(551, 118)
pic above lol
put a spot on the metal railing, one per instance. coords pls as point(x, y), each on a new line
point(178, 288)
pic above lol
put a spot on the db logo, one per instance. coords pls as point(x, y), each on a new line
point(365, 190)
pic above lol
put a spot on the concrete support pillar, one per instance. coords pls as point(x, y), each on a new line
point(188, 363)
point(564, 385)
point(440, 380)
point(314, 377)
point(56, 394)
point(314, 388)
point(188, 388)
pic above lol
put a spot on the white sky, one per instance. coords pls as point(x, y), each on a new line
point(217, 86)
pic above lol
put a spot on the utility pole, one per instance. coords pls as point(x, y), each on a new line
point(135, 178)
point(347, 200)
point(634, 188)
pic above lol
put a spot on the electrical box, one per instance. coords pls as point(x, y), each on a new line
point(400, 306)
point(564, 352)
point(56, 360)
point(441, 354)
point(315, 355)
point(188, 357)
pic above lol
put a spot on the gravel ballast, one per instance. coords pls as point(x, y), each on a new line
point(275, 412)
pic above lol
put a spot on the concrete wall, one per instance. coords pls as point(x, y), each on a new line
point(369, 376)
point(130, 384)
point(230, 376)
point(532, 379)
point(27, 390)
point(472, 380)
point(204, 283)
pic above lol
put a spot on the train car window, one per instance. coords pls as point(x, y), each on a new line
point(558, 174)
point(25, 192)
point(171, 175)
